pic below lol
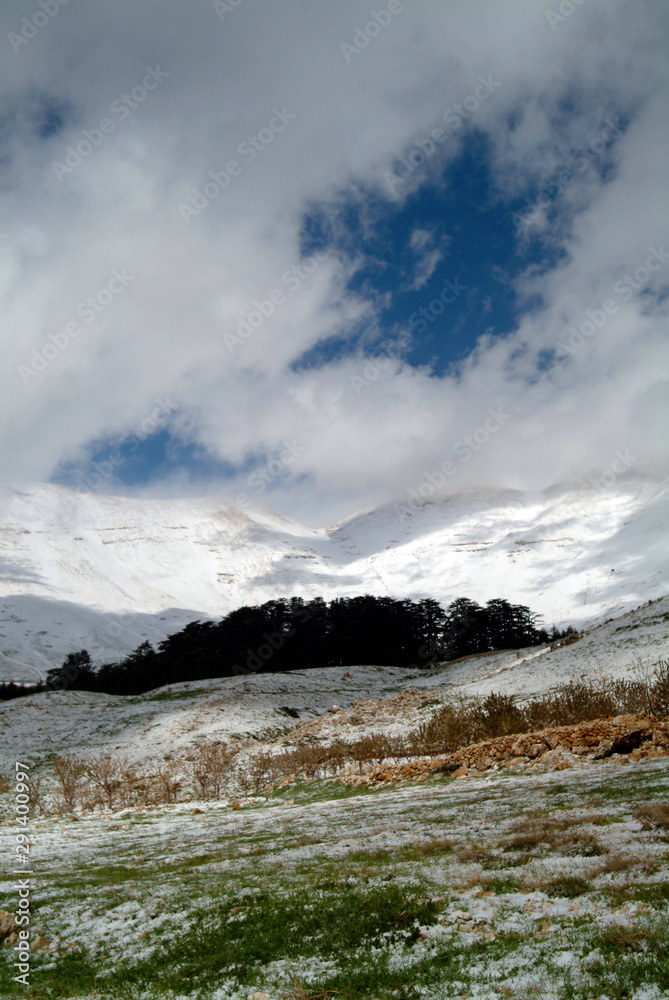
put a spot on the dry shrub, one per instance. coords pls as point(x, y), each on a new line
point(36, 801)
point(262, 770)
point(167, 783)
point(68, 772)
point(451, 727)
point(658, 690)
point(309, 759)
point(462, 723)
point(209, 765)
point(106, 773)
point(499, 716)
point(142, 790)
point(336, 755)
point(569, 704)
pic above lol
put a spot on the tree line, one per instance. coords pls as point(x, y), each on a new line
point(298, 634)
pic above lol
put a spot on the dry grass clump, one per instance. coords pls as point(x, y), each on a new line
point(653, 815)
point(557, 834)
point(439, 845)
point(623, 863)
point(471, 853)
point(567, 886)
point(626, 938)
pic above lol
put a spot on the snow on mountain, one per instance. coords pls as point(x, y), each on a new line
point(80, 570)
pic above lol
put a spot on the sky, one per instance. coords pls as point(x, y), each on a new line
point(317, 257)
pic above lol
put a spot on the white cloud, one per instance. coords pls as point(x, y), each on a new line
point(164, 332)
point(428, 255)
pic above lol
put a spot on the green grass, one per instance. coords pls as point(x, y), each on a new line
point(173, 695)
point(500, 884)
point(569, 886)
point(323, 790)
point(342, 923)
point(656, 894)
point(630, 959)
point(359, 908)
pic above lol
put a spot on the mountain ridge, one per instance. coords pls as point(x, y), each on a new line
point(83, 570)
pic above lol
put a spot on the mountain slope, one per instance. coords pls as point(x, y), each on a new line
point(80, 570)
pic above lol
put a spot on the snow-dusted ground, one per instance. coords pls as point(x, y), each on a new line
point(105, 573)
point(527, 922)
point(146, 727)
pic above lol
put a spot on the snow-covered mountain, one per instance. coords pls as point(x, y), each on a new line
point(80, 570)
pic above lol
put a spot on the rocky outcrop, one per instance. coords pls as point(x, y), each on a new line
point(630, 737)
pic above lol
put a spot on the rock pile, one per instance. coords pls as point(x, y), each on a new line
point(631, 737)
point(366, 714)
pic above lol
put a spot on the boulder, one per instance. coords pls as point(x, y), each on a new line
point(7, 925)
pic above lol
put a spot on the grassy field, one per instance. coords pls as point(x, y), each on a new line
point(528, 885)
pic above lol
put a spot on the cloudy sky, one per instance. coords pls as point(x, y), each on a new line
point(311, 255)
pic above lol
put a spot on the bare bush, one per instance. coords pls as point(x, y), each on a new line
point(107, 774)
point(167, 782)
point(210, 764)
point(262, 771)
point(36, 801)
point(658, 701)
point(68, 772)
point(140, 789)
point(309, 758)
point(335, 755)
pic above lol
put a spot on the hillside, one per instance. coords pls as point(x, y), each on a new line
point(180, 715)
